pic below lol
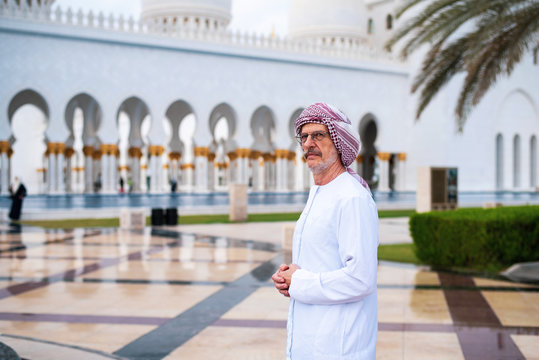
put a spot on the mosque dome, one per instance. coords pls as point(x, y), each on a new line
point(208, 14)
point(330, 22)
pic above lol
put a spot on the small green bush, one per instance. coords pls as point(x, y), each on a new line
point(481, 239)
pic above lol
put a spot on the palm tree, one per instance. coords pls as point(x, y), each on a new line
point(482, 38)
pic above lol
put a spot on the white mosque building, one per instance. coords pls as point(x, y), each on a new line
point(88, 99)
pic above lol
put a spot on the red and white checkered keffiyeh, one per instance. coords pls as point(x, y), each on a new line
point(343, 135)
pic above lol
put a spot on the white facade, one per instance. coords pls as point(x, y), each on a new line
point(160, 73)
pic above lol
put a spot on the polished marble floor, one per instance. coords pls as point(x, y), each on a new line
point(177, 293)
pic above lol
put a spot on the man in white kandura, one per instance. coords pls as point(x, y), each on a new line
point(331, 282)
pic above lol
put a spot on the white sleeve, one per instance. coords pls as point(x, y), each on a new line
point(358, 243)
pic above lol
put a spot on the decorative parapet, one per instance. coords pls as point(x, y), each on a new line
point(43, 13)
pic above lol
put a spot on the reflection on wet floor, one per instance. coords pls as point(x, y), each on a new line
point(159, 293)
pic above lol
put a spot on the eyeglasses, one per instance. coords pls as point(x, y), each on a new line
point(315, 135)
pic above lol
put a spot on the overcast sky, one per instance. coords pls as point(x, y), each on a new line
point(261, 16)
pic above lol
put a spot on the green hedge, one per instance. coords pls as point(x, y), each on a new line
point(481, 239)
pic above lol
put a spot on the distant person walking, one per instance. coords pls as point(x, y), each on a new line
point(18, 192)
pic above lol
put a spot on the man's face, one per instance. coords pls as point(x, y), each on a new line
point(319, 154)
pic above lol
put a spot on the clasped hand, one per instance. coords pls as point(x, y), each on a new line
point(283, 277)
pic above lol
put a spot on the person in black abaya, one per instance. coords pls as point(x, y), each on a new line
point(18, 192)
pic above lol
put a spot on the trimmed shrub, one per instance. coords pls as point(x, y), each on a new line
point(481, 239)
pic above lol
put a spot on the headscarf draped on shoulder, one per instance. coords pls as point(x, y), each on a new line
point(344, 137)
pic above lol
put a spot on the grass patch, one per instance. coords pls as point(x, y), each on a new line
point(188, 219)
point(73, 223)
point(395, 213)
point(403, 253)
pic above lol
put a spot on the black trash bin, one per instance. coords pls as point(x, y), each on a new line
point(172, 216)
point(157, 216)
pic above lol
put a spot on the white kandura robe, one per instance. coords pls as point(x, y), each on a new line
point(333, 311)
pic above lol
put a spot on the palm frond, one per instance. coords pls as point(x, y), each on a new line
point(489, 37)
point(433, 79)
point(418, 21)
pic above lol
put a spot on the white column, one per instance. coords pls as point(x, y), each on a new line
point(383, 181)
point(242, 173)
point(400, 181)
point(113, 173)
point(232, 171)
point(359, 165)
point(4, 165)
point(152, 168)
point(155, 168)
point(60, 184)
point(88, 169)
point(281, 173)
point(108, 168)
point(174, 169)
point(136, 174)
point(135, 154)
point(69, 170)
point(291, 171)
point(255, 168)
point(262, 181)
point(211, 172)
point(266, 172)
point(188, 172)
point(201, 168)
point(299, 171)
point(51, 173)
point(151, 165)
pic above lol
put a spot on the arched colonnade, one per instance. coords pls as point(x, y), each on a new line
point(84, 164)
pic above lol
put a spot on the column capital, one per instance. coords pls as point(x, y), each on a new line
point(109, 149)
point(51, 147)
point(96, 155)
point(384, 156)
point(60, 148)
point(211, 157)
point(88, 150)
point(359, 159)
point(267, 156)
point(291, 155)
point(201, 151)
point(255, 154)
point(232, 155)
point(68, 153)
point(402, 156)
point(4, 146)
point(134, 152)
point(174, 155)
point(243, 152)
point(156, 150)
point(281, 153)
point(187, 166)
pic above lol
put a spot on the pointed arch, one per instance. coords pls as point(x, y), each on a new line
point(25, 97)
point(263, 129)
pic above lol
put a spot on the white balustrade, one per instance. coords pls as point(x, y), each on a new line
point(191, 29)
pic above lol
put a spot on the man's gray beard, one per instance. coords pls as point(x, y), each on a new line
point(321, 167)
